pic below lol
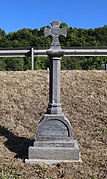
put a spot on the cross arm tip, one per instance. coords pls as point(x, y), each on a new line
point(47, 32)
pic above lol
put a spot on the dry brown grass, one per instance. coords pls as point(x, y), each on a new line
point(24, 98)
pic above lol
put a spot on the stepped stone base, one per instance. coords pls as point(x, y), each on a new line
point(45, 153)
point(49, 162)
point(54, 141)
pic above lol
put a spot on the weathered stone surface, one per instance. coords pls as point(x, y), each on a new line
point(54, 127)
point(54, 143)
point(54, 106)
point(51, 162)
point(55, 153)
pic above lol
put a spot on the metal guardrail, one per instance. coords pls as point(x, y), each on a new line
point(86, 52)
point(75, 51)
point(15, 52)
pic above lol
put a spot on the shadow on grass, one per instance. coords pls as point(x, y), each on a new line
point(16, 144)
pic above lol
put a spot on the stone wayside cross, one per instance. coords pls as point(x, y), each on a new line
point(54, 139)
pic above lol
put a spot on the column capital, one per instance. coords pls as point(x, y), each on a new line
point(55, 53)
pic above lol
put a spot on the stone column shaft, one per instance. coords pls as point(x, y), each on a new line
point(54, 80)
point(54, 106)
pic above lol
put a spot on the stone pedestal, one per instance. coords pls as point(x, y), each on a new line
point(54, 141)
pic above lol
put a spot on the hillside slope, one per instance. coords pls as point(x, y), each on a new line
point(24, 98)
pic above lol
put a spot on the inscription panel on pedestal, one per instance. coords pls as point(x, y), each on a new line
point(53, 128)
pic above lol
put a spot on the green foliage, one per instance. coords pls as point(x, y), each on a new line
point(41, 63)
point(14, 64)
point(27, 63)
point(71, 63)
point(63, 24)
point(2, 64)
point(92, 63)
point(2, 34)
point(35, 38)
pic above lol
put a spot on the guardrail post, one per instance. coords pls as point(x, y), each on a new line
point(32, 56)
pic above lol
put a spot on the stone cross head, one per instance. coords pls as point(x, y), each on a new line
point(55, 32)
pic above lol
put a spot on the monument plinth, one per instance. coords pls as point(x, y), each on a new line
point(54, 139)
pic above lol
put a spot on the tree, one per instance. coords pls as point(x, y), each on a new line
point(41, 63)
point(63, 24)
point(2, 34)
point(35, 38)
point(2, 64)
point(14, 64)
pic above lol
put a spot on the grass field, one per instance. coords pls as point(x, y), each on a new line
point(23, 100)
